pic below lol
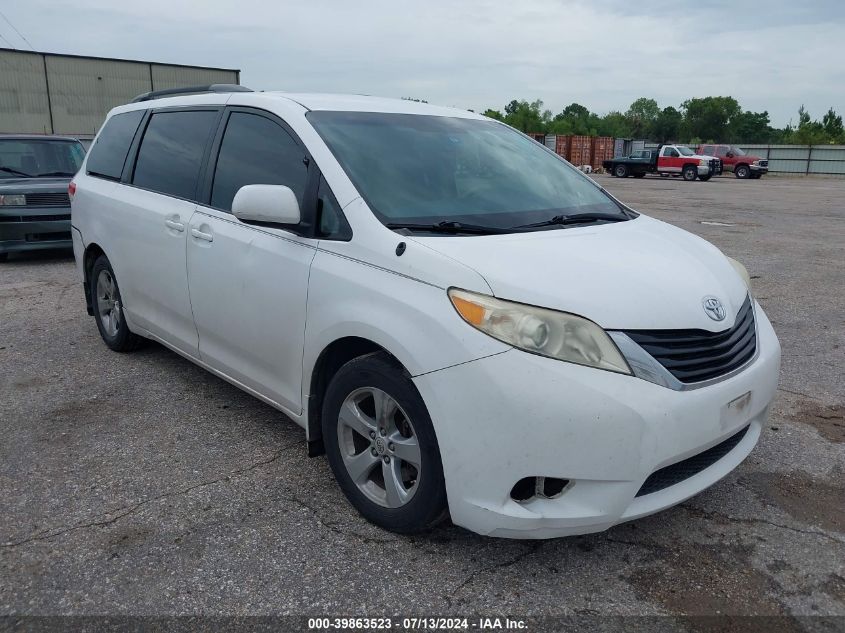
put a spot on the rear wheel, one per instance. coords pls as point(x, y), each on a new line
point(742, 171)
point(381, 445)
point(690, 173)
point(621, 171)
point(108, 308)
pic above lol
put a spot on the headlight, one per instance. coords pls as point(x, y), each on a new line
point(704, 162)
point(13, 200)
point(756, 163)
point(540, 331)
point(743, 272)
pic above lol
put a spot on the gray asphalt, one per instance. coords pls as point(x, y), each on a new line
point(140, 484)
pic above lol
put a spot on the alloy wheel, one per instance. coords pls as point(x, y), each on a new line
point(379, 447)
point(108, 303)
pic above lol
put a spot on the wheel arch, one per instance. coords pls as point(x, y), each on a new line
point(92, 252)
point(329, 361)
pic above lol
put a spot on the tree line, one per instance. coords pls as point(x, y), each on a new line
point(705, 119)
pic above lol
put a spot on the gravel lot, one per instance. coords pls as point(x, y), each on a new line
point(140, 484)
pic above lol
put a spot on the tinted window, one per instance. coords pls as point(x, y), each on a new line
point(708, 150)
point(671, 152)
point(171, 152)
point(332, 221)
point(722, 151)
point(109, 152)
point(33, 158)
point(428, 169)
point(256, 151)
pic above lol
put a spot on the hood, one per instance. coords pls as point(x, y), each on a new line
point(640, 274)
point(34, 185)
point(704, 156)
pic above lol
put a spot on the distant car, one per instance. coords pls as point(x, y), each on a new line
point(35, 171)
point(666, 160)
point(734, 159)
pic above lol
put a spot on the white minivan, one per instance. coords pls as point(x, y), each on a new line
point(464, 323)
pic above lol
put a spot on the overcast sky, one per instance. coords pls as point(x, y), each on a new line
point(770, 55)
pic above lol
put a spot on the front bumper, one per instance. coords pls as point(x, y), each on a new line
point(514, 415)
point(28, 228)
point(758, 169)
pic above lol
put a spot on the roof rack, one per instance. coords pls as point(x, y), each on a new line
point(189, 90)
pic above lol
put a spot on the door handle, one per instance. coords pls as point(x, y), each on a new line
point(200, 235)
point(173, 224)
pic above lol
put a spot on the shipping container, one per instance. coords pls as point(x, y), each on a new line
point(602, 150)
point(537, 136)
point(559, 144)
point(580, 150)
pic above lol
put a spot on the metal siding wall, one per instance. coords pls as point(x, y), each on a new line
point(165, 76)
point(24, 106)
point(82, 91)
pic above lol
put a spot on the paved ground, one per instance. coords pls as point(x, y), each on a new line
point(140, 484)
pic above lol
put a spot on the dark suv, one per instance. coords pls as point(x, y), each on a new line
point(35, 171)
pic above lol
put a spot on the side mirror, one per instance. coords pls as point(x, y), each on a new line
point(273, 204)
point(729, 155)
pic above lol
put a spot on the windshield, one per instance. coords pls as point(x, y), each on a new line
point(430, 169)
point(737, 151)
point(33, 158)
point(685, 151)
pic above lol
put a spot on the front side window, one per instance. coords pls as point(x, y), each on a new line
point(433, 169)
point(39, 158)
point(708, 150)
point(171, 152)
point(722, 151)
point(256, 151)
point(736, 151)
point(109, 152)
point(670, 152)
point(332, 223)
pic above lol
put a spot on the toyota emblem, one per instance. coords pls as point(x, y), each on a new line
point(714, 308)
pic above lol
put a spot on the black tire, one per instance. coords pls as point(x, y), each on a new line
point(690, 173)
point(118, 336)
point(742, 171)
point(705, 178)
point(620, 171)
point(640, 175)
point(4, 257)
point(427, 506)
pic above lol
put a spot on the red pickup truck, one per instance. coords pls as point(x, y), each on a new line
point(734, 159)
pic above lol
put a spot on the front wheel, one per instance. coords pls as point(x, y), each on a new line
point(381, 445)
point(621, 171)
point(108, 308)
point(742, 171)
point(690, 173)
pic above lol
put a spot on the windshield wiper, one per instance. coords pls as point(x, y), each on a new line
point(450, 227)
point(576, 218)
point(16, 172)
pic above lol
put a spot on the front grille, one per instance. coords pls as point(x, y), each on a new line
point(697, 355)
point(763, 163)
point(678, 472)
point(58, 199)
point(45, 218)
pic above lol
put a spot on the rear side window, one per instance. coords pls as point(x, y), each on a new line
point(109, 152)
point(256, 151)
point(171, 152)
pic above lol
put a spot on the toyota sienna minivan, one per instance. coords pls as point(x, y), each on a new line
point(464, 323)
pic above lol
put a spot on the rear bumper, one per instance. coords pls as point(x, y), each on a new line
point(30, 228)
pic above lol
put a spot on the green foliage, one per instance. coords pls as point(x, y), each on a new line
point(700, 119)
